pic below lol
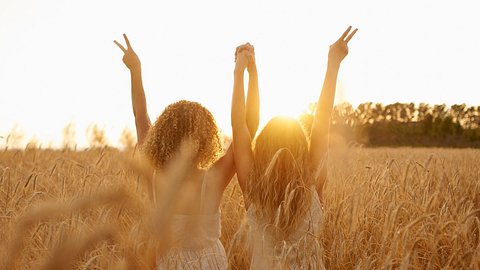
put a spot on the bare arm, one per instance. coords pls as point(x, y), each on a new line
point(224, 170)
point(139, 103)
point(225, 166)
point(242, 140)
point(321, 122)
point(253, 98)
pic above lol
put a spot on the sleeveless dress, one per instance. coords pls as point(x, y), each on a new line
point(196, 242)
point(302, 249)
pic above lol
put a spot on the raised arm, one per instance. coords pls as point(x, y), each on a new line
point(253, 98)
point(321, 121)
point(225, 166)
point(242, 140)
point(139, 103)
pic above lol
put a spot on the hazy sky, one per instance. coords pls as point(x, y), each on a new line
point(58, 63)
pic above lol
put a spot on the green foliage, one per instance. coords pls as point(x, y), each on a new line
point(404, 124)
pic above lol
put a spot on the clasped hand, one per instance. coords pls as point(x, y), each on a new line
point(245, 58)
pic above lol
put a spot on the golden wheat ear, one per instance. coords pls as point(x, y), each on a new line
point(69, 250)
point(144, 170)
point(52, 210)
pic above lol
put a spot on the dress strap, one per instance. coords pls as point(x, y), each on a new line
point(154, 190)
point(202, 194)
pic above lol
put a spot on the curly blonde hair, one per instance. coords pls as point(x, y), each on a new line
point(180, 121)
point(281, 180)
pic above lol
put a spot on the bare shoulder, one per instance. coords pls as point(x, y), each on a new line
point(222, 171)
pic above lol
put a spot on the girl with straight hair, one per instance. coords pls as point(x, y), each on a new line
point(282, 177)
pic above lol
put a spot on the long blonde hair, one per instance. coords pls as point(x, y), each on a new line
point(280, 181)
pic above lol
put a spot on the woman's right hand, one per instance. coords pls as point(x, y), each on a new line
point(130, 58)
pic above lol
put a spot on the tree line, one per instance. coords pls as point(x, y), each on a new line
point(370, 124)
point(404, 124)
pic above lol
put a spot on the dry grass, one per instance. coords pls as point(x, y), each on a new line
point(384, 208)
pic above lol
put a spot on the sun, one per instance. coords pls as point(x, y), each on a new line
point(281, 106)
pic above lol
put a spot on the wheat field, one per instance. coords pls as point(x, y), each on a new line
point(384, 208)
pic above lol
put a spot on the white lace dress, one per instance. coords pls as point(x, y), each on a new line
point(300, 250)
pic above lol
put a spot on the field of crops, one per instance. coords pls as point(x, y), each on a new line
point(384, 208)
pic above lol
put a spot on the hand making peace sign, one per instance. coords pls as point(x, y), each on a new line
point(339, 49)
point(130, 58)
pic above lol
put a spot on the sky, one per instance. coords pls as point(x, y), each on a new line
point(59, 65)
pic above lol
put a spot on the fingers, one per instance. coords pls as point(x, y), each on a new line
point(247, 46)
point(127, 41)
point(120, 46)
point(244, 54)
point(345, 33)
point(351, 35)
point(129, 47)
point(250, 57)
point(247, 52)
point(236, 52)
point(240, 49)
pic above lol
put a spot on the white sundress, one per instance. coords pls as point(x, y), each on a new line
point(196, 242)
point(302, 249)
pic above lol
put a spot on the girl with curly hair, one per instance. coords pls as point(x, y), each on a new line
point(196, 223)
point(282, 177)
